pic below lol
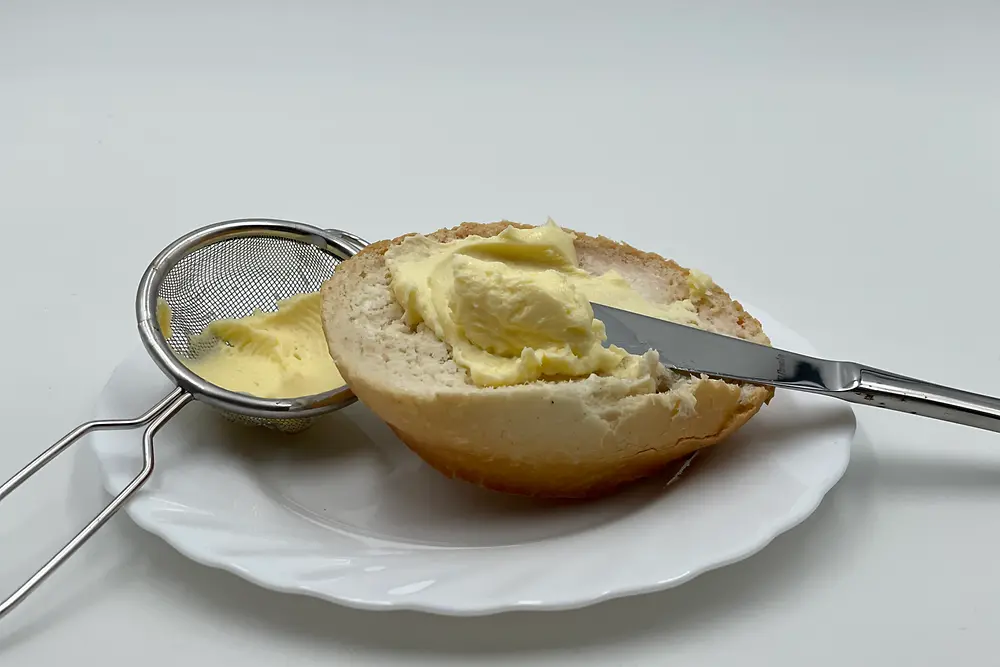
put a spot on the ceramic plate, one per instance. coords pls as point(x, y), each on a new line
point(346, 513)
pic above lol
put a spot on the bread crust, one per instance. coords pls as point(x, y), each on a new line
point(579, 439)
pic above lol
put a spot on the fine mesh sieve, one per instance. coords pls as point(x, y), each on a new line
point(226, 270)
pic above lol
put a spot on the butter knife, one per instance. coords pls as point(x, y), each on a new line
point(695, 351)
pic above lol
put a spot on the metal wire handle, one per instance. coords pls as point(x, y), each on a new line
point(155, 417)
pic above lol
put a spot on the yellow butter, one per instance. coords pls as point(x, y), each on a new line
point(699, 284)
point(281, 354)
point(515, 307)
point(163, 318)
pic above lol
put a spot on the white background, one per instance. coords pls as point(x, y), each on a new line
point(836, 163)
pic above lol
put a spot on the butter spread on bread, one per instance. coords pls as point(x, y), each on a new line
point(515, 307)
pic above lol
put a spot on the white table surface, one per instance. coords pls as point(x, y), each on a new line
point(838, 166)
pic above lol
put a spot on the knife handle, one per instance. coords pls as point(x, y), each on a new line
point(896, 392)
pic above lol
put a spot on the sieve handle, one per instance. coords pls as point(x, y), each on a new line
point(155, 418)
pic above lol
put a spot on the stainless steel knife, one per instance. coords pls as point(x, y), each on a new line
point(695, 351)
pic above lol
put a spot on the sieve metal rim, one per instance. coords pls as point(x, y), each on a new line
point(156, 344)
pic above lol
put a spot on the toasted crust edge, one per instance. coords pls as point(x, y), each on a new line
point(491, 476)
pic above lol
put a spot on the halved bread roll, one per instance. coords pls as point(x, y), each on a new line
point(567, 439)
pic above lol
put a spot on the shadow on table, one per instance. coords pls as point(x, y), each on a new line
point(831, 536)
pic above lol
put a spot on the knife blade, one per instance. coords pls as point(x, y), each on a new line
point(696, 351)
point(690, 350)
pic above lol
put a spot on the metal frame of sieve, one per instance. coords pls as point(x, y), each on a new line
point(156, 345)
point(291, 414)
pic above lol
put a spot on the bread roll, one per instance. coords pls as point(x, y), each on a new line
point(559, 439)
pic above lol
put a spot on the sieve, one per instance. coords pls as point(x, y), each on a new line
point(225, 270)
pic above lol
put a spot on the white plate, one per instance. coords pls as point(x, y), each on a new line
point(347, 513)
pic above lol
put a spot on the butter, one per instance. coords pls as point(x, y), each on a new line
point(281, 354)
point(515, 307)
point(163, 318)
point(699, 284)
point(509, 325)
